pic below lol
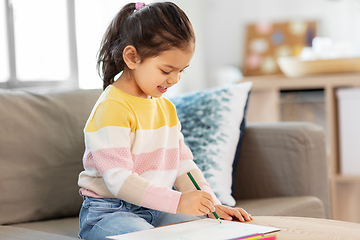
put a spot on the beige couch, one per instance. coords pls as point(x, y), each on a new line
point(282, 168)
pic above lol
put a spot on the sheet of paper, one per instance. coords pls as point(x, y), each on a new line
point(197, 230)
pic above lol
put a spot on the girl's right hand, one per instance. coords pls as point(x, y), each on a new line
point(196, 203)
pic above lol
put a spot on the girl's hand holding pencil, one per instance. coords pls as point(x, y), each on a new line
point(201, 203)
point(196, 203)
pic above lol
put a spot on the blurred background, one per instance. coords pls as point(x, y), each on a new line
point(54, 43)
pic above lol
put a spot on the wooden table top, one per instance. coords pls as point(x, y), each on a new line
point(309, 228)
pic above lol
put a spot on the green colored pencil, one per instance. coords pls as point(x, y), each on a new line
point(198, 188)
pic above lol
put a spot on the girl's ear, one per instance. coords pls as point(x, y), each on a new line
point(131, 57)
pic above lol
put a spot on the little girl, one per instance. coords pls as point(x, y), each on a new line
point(135, 153)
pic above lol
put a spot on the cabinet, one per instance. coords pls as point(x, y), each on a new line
point(264, 106)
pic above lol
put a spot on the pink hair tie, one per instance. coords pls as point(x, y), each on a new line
point(139, 5)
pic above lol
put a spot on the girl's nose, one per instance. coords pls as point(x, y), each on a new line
point(174, 79)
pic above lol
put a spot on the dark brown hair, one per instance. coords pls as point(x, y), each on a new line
point(154, 28)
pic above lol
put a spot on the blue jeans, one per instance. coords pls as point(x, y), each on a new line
point(101, 217)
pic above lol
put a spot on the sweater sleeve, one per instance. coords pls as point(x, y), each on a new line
point(108, 140)
point(183, 182)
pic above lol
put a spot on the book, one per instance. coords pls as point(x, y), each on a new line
point(197, 230)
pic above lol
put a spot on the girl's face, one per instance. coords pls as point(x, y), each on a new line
point(154, 75)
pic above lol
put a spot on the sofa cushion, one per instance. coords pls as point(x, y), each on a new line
point(64, 226)
point(283, 159)
point(210, 121)
point(16, 233)
point(300, 206)
point(41, 148)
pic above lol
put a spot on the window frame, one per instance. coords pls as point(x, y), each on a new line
point(13, 82)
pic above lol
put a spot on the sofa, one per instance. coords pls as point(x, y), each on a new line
point(282, 168)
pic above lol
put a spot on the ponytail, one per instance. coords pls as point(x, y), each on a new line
point(151, 29)
point(110, 61)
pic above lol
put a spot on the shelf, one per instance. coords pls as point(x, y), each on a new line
point(309, 82)
point(346, 179)
point(264, 107)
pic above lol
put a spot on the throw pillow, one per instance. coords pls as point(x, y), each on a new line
point(210, 121)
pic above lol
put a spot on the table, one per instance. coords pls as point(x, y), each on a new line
point(293, 228)
point(309, 228)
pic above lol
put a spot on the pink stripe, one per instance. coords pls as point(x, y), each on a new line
point(185, 152)
point(89, 193)
point(109, 158)
point(161, 198)
point(160, 159)
point(105, 159)
point(88, 160)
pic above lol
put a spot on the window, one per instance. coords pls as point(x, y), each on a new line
point(43, 44)
point(4, 56)
point(39, 43)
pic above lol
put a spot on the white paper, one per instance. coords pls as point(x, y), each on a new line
point(197, 230)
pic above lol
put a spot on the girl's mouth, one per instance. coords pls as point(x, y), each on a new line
point(162, 89)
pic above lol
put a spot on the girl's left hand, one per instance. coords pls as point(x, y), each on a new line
point(228, 213)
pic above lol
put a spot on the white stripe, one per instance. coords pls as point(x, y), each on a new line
point(108, 137)
point(87, 176)
point(160, 178)
point(115, 178)
point(91, 172)
point(185, 166)
point(151, 140)
point(143, 141)
point(181, 136)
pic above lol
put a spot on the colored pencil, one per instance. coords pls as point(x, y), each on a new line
point(253, 238)
point(257, 236)
point(269, 237)
point(198, 188)
point(248, 236)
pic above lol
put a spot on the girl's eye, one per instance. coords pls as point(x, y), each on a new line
point(164, 72)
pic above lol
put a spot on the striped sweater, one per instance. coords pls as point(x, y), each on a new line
point(136, 152)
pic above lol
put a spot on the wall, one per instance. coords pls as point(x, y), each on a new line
point(222, 26)
point(220, 31)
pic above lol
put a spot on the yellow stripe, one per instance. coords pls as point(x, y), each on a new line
point(109, 113)
point(123, 110)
